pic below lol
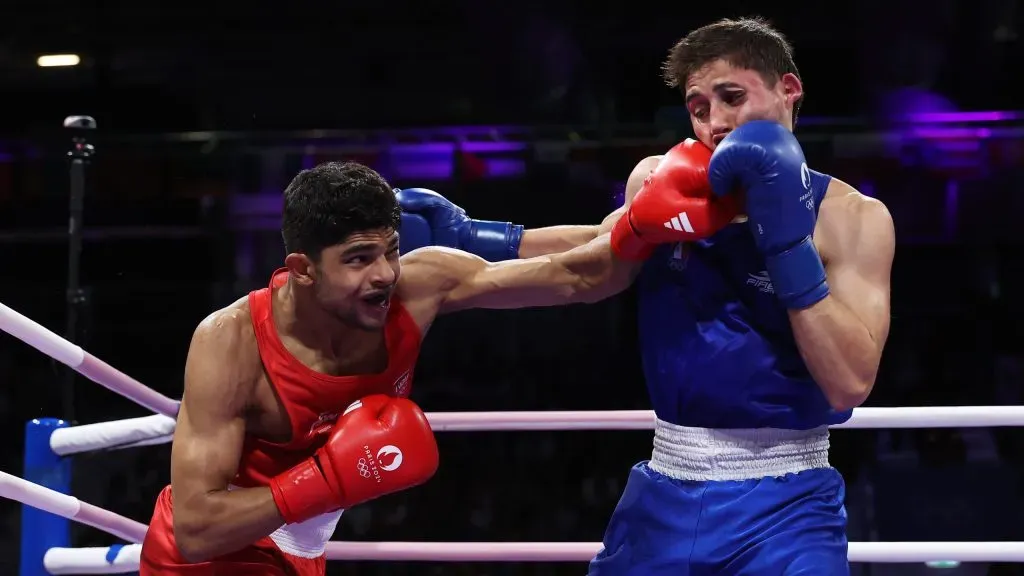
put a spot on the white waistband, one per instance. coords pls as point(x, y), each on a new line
point(306, 539)
point(704, 454)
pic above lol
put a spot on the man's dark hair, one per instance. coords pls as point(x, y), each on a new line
point(326, 204)
point(750, 43)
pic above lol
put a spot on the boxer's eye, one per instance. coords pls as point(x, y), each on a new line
point(733, 98)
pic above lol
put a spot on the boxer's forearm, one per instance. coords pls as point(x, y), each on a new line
point(598, 271)
point(554, 240)
point(558, 239)
point(585, 274)
point(224, 522)
point(839, 351)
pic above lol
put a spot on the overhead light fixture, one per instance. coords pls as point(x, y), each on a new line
point(55, 60)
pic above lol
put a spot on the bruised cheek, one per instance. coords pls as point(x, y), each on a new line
point(750, 113)
point(758, 111)
point(703, 133)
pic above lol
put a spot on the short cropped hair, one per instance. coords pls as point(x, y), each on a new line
point(326, 204)
point(750, 43)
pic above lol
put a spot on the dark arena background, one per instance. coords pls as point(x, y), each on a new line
point(533, 112)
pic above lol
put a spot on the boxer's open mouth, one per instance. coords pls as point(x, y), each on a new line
point(380, 299)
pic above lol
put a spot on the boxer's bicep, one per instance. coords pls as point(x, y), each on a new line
point(211, 422)
point(859, 271)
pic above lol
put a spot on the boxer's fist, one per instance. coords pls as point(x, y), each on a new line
point(414, 232)
point(765, 159)
point(378, 446)
point(448, 225)
point(675, 204)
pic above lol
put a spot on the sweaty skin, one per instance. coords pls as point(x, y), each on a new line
point(227, 394)
point(840, 338)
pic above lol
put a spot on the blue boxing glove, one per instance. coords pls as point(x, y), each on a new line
point(414, 233)
point(448, 225)
point(765, 159)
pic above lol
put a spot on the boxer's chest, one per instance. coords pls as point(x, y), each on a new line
point(715, 280)
point(268, 417)
point(287, 414)
point(300, 399)
point(729, 262)
point(727, 266)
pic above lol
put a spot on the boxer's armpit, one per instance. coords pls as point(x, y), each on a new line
point(208, 519)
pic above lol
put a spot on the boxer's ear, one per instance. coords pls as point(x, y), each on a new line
point(301, 268)
point(792, 88)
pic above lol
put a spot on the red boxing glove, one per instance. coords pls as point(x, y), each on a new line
point(675, 204)
point(378, 446)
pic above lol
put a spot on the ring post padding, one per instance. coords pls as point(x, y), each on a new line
point(41, 530)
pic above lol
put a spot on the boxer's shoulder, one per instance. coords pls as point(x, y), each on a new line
point(223, 368)
point(430, 270)
point(428, 274)
point(231, 320)
point(640, 173)
point(228, 333)
point(846, 215)
point(649, 163)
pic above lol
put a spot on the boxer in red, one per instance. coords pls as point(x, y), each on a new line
point(295, 401)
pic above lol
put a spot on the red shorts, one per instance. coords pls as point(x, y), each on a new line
point(160, 555)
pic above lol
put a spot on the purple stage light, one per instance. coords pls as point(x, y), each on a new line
point(960, 117)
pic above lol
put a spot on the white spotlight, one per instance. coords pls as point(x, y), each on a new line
point(54, 60)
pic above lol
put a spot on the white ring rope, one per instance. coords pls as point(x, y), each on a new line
point(94, 560)
point(926, 417)
point(145, 431)
point(71, 355)
point(889, 552)
point(159, 429)
point(69, 507)
point(125, 560)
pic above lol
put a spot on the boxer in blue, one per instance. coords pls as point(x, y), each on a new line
point(753, 340)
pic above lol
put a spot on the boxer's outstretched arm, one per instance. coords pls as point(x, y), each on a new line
point(208, 519)
point(442, 280)
point(841, 337)
point(555, 239)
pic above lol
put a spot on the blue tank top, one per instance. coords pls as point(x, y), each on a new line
point(716, 344)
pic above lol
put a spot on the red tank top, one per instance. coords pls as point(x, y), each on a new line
point(313, 400)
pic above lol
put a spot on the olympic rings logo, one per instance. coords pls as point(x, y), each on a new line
point(363, 468)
